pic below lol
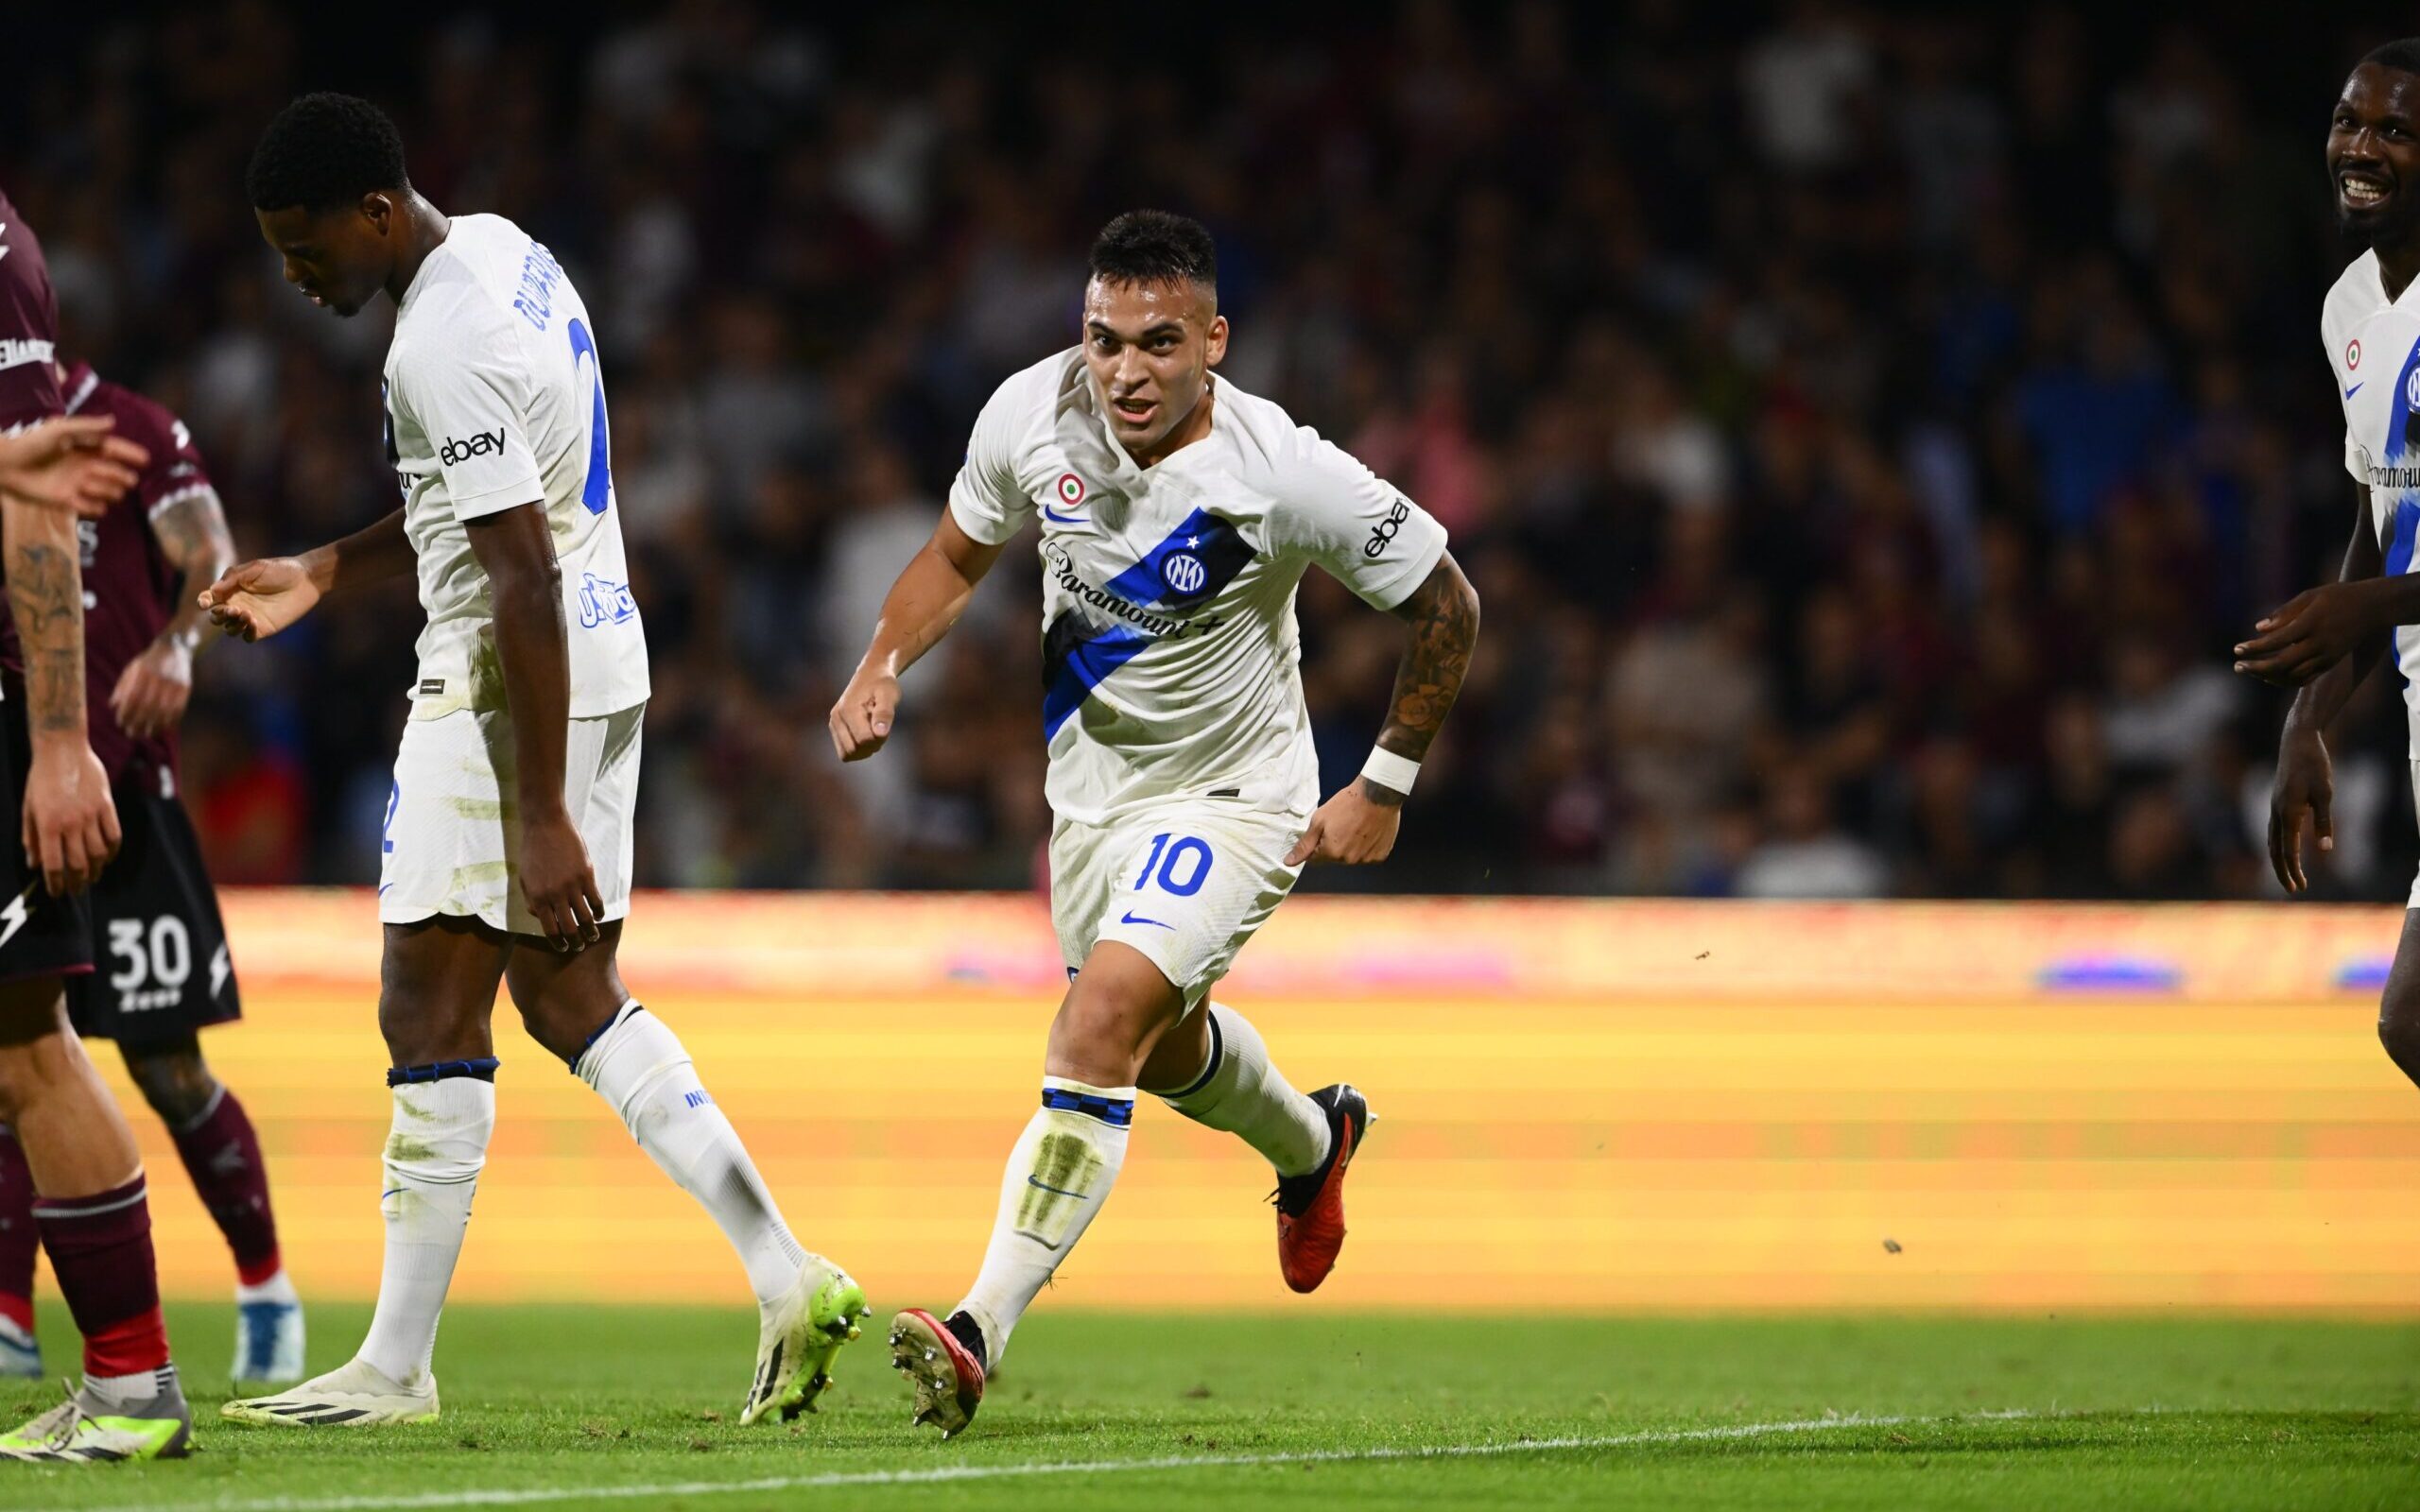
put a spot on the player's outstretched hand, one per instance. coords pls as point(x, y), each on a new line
point(256, 599)
point(559, 884)
point(2312, 631)
point(70, 462)
point(2302, 793)
point(152, 692)
point(70, 827)
point(1351, 828)
point(861, 720)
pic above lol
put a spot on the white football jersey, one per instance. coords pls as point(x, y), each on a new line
point(1169, 646)
point(494, 399)
point(2374, 345)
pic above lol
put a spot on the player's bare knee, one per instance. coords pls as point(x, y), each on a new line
point(565, 997)
point(32, 1011)
point(436, 989)
point(1115, 1010)
point(174, 1080)
point(35, 1041)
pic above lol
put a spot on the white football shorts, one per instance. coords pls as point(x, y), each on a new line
point(1185, 884)
point(450, 839)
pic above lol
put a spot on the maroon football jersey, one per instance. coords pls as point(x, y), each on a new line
point(129, 585)
point(29, 385)
point(28, 325)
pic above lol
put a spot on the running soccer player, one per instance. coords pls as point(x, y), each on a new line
point(145, 561)
point(508, 841)
point(1178, 515)
point(2326, 640)
point(88, 1197)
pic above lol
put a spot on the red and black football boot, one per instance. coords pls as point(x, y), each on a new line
point(1310, 1207)
point(943, 1361)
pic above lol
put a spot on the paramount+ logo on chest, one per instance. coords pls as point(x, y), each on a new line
point(484, 443)
point(1382, 535)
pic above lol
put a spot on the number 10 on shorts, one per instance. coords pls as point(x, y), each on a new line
point(1188, 856)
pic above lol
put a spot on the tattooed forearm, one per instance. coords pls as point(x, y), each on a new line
point(1444, 615)
point(193, 536)
point(46, 596)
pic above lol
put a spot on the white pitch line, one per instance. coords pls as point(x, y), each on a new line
point(938, 1474)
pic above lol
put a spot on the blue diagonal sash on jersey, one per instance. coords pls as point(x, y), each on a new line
point(2403, 529)
point(1198, 558)
point(1213, 544)
point(1073, 668)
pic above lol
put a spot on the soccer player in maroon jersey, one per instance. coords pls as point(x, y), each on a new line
point(90, 1207)
point(157, 931)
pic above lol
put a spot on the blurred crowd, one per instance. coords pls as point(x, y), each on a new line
point(1868, 431)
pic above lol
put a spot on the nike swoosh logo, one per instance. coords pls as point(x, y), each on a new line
point(1132, 918)
point(2355, 390)
point(1037, 1181)
point(1048, 513)
point(388, 1192)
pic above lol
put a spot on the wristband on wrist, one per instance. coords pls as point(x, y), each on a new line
point(1391, 771)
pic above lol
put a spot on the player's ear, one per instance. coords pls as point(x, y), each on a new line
point(1217, 345)
point(378, 208)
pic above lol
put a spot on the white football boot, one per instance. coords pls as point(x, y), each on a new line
point(268, 1334)
point(355, 1395)
point(20, 1354)
point(796, 1341)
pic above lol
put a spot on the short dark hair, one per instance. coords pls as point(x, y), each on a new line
point(2402, 55)
point(325, 150)
point(1154, 246)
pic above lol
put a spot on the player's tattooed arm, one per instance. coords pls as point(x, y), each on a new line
point(1359, 824)
point(69, 825)
point(1444, 615)
point(192, 535)
point(153, 689)
point(46, 598)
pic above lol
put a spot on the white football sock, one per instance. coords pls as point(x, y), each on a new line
point(1239, 1091)
point(433, 1158)
point(1057, 1177)
point(278, 1288)
point(638, 1065)
point(121, 1392)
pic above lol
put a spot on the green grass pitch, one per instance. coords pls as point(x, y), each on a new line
point(636, 1407)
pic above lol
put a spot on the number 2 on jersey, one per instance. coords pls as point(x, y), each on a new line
point(1165, 859)
point(598, 490)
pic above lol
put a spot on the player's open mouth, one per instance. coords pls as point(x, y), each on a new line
point(2362, 191)
point(1136, 411)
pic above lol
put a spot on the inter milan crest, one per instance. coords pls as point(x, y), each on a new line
point(1184, 573)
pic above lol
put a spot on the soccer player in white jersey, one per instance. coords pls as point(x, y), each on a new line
point(507, 852)
point(1177, 516)
point(2325, 641)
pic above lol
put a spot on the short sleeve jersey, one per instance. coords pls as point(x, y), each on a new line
point(28, 326)
point(2374, 346)
point(129, 585)
point(494, 399)
point(1169, 643)
point(28, 347)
